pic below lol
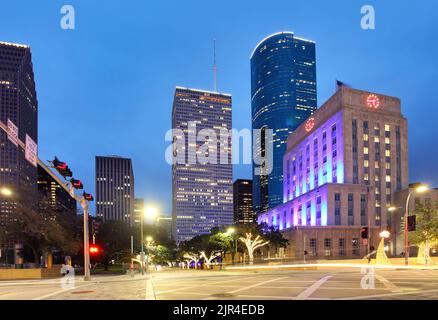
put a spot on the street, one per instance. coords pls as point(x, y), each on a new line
point(348, 283)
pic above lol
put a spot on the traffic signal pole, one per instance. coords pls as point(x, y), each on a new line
point(87, 276)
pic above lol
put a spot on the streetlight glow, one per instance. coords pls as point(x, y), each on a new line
point(392, 209)
point(149, 238)
point(230, 230)
point(150, 212)
point(6, 192)
point(422, 188)
point(384, 234)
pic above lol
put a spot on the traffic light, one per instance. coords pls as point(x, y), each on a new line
point(364, 232)
point(62, 168)
point(412, 222)
point(95, 250)
point(88, 196)
point(77, 184)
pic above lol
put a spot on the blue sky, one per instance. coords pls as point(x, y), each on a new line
point(106, 88)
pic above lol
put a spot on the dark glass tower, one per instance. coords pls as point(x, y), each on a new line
point(18, 103)
point(115, 189)
point(283, 95)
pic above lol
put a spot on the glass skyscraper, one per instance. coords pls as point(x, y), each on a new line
point(283, 95)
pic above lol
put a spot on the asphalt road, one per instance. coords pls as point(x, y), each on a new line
point(229, 285)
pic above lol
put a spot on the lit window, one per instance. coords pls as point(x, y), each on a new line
point(365, 150)
point(376, 164)
point(388, 153)
point(388, 165)
point(366, 163)
point(365, 137)
point(387, 140)
point(386, 127)
point(376, 139)
point(388, 178)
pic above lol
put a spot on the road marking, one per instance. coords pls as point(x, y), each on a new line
point(412, 291)
point(388, 284)
point(197, 286)
point(256, 285)
point(150, 294)
point(310, 290)
point(248, 287)
point(61, 291)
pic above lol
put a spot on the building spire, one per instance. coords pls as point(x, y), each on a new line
point(214, 66)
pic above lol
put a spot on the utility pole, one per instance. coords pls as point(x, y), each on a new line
point(87, 276)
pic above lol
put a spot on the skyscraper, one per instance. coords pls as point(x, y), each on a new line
point(242, 198)
point(19, 110)
point(202, 192)
point(138, 210)
point(53, 193)
point(283, 95)
point(114, 189)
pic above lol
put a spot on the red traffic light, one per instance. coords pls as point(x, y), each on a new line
point(88, 196)
point(95, 249)
point(62, 168)
point(77, 184)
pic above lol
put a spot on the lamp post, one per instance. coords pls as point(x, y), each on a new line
point(230, 232)
point(418, 188)
point(149, 239)
point(149, 212)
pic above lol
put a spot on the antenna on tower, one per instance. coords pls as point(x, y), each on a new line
point(214, 65)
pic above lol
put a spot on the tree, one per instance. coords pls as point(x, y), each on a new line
point(256, 236)
point(41, 227)
point(115, 240)
point(426, 231)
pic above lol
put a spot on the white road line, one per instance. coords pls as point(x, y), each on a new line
point(61, 291)
point(310, 290)
point(389, 285)
point(150, 294)
point(249, 287)
point(197, 286)
point(256, 285)
point(395, 294)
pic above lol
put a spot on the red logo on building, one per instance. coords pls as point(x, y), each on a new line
point(373, 101)
point(310, 123)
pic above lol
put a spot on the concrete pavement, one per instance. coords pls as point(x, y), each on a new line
point(348, 283)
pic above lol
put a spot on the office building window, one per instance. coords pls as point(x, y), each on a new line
point(327, 247)
point(341, 244)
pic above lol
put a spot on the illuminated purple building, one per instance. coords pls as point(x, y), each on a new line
point(341, 170)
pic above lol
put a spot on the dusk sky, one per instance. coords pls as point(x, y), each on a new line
point(106, 88)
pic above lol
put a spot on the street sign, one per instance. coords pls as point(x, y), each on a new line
point(31, 152)
point(12, 132)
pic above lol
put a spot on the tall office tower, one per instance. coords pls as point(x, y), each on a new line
point(18, 111)
point(202, 192)
point(242, 198)
point(114, 189)
point(283, 95)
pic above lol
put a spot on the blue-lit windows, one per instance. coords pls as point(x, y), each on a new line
point(308, 215)
point(318, 211)
point(337, 209)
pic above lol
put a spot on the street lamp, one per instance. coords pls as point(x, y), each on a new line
point(416, 188)
point(149, 213)
point(384, 234)
point(230, 232)
point(6, 192)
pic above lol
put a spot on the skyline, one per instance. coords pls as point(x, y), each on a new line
point(62, 71)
